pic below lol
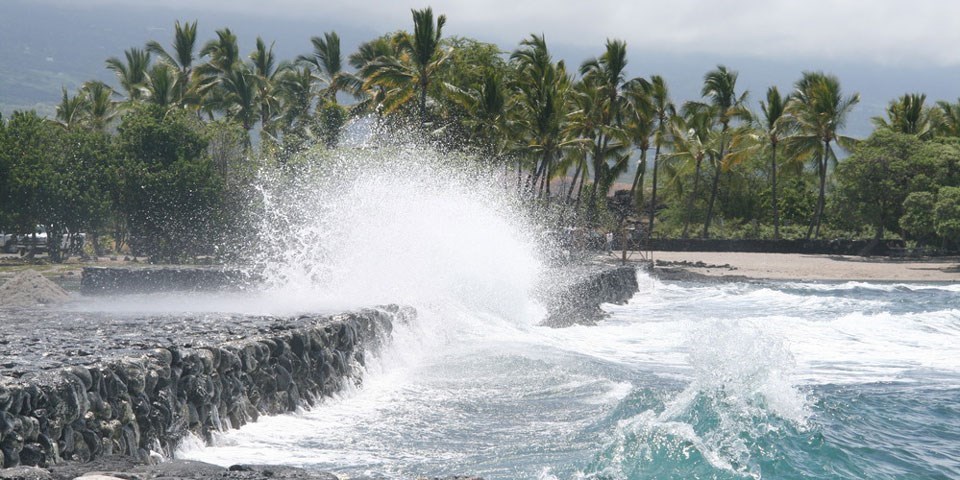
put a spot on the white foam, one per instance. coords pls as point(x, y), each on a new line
point(402, 227)
point(835, 337)
point(880, 287)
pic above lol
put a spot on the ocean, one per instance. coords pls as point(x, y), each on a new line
point(776, 380)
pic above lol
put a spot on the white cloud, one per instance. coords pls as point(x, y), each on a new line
point(891, 32)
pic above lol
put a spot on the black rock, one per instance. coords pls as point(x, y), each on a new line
point(25, 473)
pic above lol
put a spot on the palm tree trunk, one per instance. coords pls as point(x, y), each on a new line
point(423, 102)
point(541, 168)
point(690, 198)
point(872, 244)
point(546, 178)
point(773, 189)
point(815, 226)
point(543, 179)
point(822, 198)
point(95, 240)
point(713, 198)
point(597, 177)
point(638, 180)
point(573, 183)
point(592, 207)
point(716, 183)
point(653, 194)
point(532, 177)
point(580, 189)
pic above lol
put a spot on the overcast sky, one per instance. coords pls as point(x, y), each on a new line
point(887, 32)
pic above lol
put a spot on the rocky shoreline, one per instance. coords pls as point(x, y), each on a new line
point(576, 293)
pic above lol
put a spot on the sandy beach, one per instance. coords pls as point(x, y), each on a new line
point(778, 266)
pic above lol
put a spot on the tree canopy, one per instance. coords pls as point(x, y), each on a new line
point(153, 157)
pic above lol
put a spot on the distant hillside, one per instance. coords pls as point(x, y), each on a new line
point(44, 47)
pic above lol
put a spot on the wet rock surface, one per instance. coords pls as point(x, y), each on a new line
point(76, 386)
point(575, 295)
point(688, 264)
point(685, 271)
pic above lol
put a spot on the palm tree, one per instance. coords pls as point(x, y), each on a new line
point(606, 146)
point(223, 53)
point(583, 123)
point(820, 111)
point(909, 115)
point(70, 111)
point(267, 73)
point(101, 109)
point(162, 86)
point(411, 74)
point(486, 107)
point(369, 94)
point(181, 57)
point(719, 87)
point(424, 51)
point(223, 56)
point(327, 63)
point(607, 73)
point(295, 90)
point(640, 125)
point(693, 138)
point(949, 118)
point(133, 73)
point(239, 96)
point(370, 51)
point(663, 110)
point(230, 86)
point(541, 87)
point(775, 125)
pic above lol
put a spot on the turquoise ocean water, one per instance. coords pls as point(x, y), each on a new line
point(737, 380)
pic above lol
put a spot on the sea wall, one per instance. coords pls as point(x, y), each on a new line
point(572, 293)
point(136, 403)
point(808, 247)
point(114, 280)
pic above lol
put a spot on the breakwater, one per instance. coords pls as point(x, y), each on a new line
point(69, 396)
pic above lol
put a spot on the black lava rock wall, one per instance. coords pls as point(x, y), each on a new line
point(141, 403)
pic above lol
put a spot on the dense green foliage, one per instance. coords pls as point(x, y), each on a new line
point(891, 180)
point(155, 179)
point(155, 160)
point(171, 191)
point(946, 213)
